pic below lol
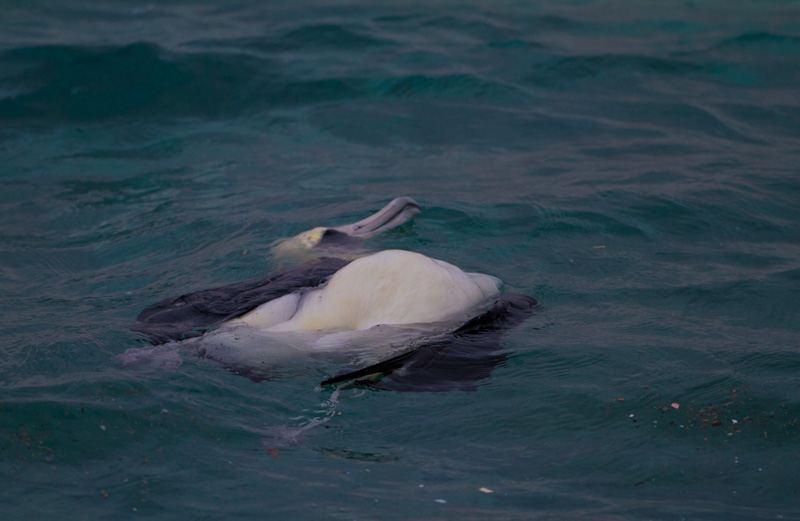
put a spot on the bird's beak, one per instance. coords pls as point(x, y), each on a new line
point(397, 212)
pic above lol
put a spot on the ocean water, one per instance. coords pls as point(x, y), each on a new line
point(633, 165)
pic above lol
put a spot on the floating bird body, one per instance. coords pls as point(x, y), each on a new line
point(440, 324)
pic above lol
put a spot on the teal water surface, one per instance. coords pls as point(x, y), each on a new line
point(632, 165)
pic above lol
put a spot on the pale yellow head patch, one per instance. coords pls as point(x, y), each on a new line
point(311, 238)
point(299, 247)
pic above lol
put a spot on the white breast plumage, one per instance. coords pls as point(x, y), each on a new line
point(392, 287)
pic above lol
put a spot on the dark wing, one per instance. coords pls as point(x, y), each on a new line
point(193, 314)
point(454, 360)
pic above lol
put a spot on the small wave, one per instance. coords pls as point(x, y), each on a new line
point(633, 70)
point(762, 40)
point(577, 67)
point(312, 37)
point(145, 81)
point(78, 83)
point(332, 36)
point(451, 86)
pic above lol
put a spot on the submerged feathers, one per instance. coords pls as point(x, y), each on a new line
point(193, 314)
point(458, 359)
